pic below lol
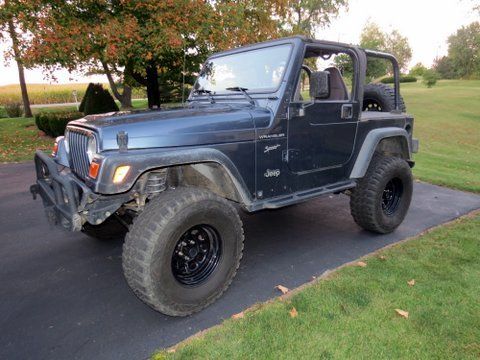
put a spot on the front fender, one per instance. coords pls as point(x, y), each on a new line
point(142, 161)
point(370, 145)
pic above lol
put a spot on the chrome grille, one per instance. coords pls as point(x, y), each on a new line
point(78, 145)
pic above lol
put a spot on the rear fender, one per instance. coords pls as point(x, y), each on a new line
point(391, 141)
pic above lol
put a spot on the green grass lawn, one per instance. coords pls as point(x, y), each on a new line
point(447, 122)
point(19, 138)
point(351, 314)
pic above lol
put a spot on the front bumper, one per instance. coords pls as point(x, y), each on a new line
point(67, 199)
point(63, 195)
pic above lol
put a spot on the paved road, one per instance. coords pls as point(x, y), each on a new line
point(63, 295)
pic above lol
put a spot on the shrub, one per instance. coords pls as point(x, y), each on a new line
point(99, 101)
point(3, 113)
point(430, 78)
point(14, 109)
point(88, 92)
point(54, 123)
point(403, 79)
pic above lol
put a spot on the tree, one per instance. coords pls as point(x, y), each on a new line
point(418, 69)
point(398, 46)
point(142, 42)
point(8, 29)
point(444, 67)
point(306, 16)
point(464, 51)
point(374, 38)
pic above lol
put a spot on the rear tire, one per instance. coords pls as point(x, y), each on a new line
point(381, 199)
point(183, 251)
point(380, 97)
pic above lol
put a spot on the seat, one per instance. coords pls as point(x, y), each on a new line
point(338, 89)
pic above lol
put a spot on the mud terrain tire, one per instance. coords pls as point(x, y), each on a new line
point(380, 97)
point(160, 238)
point(382, 197)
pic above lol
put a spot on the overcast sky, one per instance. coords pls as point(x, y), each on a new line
point(426, 23)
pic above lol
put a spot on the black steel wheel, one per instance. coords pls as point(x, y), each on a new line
point(392, 196)
point(371, 105)
point(196, 255)
point(183, 251)
point(381, 199)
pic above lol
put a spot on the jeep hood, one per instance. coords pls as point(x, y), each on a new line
point(178, 127)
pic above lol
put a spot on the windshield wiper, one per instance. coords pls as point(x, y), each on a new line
point(206, 92)
point(243, 91)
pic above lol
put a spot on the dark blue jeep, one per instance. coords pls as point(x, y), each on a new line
point(266, 126)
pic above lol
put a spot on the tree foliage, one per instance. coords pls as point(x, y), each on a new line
point(464, 51)
point(444, 67)
point(418, 69)
point(374, 38)
point(143, 41)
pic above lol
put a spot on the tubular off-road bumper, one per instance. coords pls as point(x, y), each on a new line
point(61, 192)
point(67, 200)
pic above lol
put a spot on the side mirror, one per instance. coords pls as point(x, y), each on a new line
point(319, 85)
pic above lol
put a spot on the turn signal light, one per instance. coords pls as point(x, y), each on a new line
point(55, 149)
point(120, 173)
point(93, 171)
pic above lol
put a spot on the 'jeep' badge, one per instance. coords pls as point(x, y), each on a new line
point(272, 173)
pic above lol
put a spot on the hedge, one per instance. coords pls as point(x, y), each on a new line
point(403, 79)
point(54, 123)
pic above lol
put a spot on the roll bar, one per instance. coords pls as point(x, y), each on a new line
point(396, 72)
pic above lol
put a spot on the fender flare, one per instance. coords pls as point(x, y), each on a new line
point(370, 144)
point(142, 161)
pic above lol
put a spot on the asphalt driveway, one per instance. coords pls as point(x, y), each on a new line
point(62, 295)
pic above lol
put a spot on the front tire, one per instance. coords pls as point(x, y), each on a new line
point(183, 250)
point(381, 199)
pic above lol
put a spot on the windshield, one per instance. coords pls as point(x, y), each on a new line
point(254, 70)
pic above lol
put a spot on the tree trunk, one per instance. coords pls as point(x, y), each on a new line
point(125, 98)
point(21, 72)
point(153, 92)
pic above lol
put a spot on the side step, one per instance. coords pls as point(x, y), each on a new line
point(290, 199)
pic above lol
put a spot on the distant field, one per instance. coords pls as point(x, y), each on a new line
point(50, 93)
point(447, 122)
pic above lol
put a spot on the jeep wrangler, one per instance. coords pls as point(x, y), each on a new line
point(265, 126)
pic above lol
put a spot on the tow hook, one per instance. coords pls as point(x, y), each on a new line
point(34, 191)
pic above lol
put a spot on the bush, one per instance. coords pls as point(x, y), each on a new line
point(88, 92)
point(3, 113)
point(430, 78)
point(14, 110)
point(99, 101)
point(403, 79)
point(54, 123)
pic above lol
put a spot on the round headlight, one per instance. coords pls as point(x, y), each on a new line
point(92, 148)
